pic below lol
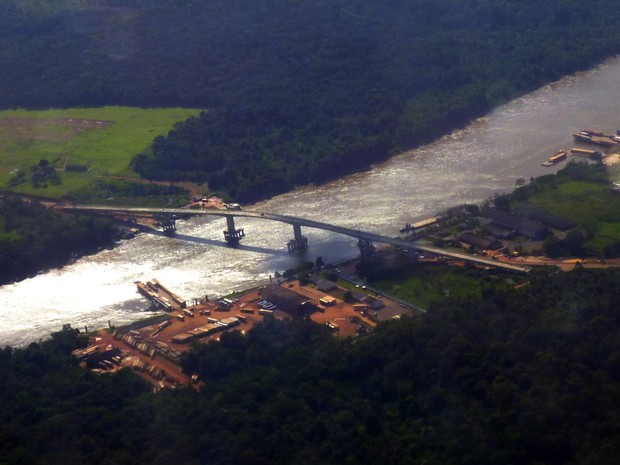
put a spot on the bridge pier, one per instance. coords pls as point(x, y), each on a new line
point(366, 246)
point(232, 235)
point(169, 225)
point(299, 243)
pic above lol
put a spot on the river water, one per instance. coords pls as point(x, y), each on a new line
point(467, 166)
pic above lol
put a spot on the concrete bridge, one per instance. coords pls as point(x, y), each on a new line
point(366, 240)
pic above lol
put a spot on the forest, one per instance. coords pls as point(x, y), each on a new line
point(521, 374)
point(294, 92)
point(33, 238)
point(299, 92)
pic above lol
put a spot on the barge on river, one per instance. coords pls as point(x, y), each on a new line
point(163, 297)
point(561, 155)
point(592, 136)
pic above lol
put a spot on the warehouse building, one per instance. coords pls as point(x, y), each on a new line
point(288, 301)
point(479, 241)
point(523, 226)
point(549, 219)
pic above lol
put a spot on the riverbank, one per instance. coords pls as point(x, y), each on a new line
point(468, 166)
point(33, 238)
point(387, 262)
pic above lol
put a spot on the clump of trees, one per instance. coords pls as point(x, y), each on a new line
point(41, 175)
point(44, 174)
point(33, 238)
point(574, 244)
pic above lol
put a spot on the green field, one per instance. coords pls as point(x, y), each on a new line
point(583, 194)
point(422, 285)
point(103, 139)
point(593, 206)
point(585, 202)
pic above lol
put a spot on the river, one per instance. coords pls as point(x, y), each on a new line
point(468, 165)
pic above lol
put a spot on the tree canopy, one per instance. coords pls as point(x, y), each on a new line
point(526, 374)
point(295, 92)
point(33, 238)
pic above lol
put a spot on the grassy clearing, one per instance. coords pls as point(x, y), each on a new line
point(585, 202)
point(104, 139)
point(423, 285)
point(121, 192)
point(593, 205)
point(607, 233)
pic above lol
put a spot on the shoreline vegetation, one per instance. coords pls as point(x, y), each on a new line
point(34, 238)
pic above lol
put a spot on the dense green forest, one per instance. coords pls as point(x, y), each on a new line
point(33, 238)
point(294, 92)
point(528, 375)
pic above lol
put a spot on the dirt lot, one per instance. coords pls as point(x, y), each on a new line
point(565, 264)
point(611, 159)
point(177, 327)
point(160, 367)
point(195, 190)
point(342, 315)
point(56, 129)
point(150, 351)
point(173, 374)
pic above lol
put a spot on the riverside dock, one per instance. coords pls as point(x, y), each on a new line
point(157, 293)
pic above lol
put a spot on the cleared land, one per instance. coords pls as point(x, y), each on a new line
point(154, 348)
point(592, 205)
point(425, 284)
point(102, 139)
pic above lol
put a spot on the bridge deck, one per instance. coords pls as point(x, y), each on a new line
point(301, 222)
